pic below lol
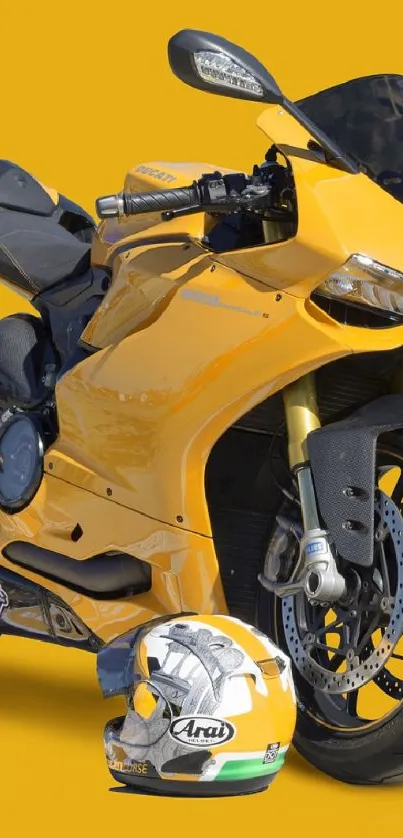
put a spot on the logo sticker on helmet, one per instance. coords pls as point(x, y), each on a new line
point(3, 600)
point(271, 753)
point(201, 730)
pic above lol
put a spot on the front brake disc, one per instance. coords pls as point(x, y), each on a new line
point(390, 684)
point(360, 672)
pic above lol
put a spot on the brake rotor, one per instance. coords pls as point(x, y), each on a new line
point(359, 672)
point(390, 684)
point(393, 687)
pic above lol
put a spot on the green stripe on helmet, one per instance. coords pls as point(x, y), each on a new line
point(244, 769)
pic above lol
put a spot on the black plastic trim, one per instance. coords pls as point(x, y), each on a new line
point(20, 594)
point(69, 306)
point(349, 313)
point(342, 456)
point(72, 216)
point(103, 577)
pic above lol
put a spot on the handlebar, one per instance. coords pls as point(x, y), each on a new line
point(213, 193)
point(125, 204)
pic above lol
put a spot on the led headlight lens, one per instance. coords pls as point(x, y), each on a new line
point(362, 281)
point(216, 68)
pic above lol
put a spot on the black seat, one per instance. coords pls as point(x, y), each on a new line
point(36, 249)
point(20, 191)
point(36, 252)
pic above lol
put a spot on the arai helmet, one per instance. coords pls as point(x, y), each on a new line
point(211, 709)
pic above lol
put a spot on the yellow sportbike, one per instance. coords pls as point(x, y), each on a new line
point(202, 402)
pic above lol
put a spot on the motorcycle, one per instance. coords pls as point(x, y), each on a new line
point(202, 402)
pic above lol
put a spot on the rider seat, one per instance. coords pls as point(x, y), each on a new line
point(36, 252)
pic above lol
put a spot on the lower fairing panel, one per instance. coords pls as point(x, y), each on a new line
point(29, 610)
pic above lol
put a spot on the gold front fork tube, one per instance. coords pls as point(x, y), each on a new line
point(272, 232)
point(302, 417)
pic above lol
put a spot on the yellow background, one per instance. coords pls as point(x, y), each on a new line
point(86, 93)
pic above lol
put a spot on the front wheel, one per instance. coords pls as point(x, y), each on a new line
point(348, 666)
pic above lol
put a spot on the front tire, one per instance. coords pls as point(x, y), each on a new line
point(372, 759)
point(328, 734)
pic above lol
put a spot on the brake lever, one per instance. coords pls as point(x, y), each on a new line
point(251, 199)
point(168, 215)
point(224, 207)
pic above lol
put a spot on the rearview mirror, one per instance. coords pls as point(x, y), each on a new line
point(209, 62)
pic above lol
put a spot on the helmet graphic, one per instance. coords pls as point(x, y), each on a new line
point(4, 603)
point(211, 710)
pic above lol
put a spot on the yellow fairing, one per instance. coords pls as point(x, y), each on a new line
point(161, 403)
point(188, 342)
point(338, 215)
point(185, 574)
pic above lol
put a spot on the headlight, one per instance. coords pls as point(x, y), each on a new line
point(361, 281)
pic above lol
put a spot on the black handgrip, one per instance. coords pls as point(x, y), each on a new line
point(166, 199)
point(140, 202)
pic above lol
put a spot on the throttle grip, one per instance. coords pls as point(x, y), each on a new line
point(110, 206)
point(165, 199)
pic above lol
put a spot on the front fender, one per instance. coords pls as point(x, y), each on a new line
point(342, 457)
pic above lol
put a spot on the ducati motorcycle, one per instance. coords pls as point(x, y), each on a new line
point(202, 402)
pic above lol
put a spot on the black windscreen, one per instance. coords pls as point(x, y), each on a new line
point(365, 117)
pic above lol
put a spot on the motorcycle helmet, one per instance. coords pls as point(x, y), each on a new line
point(211, 710)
